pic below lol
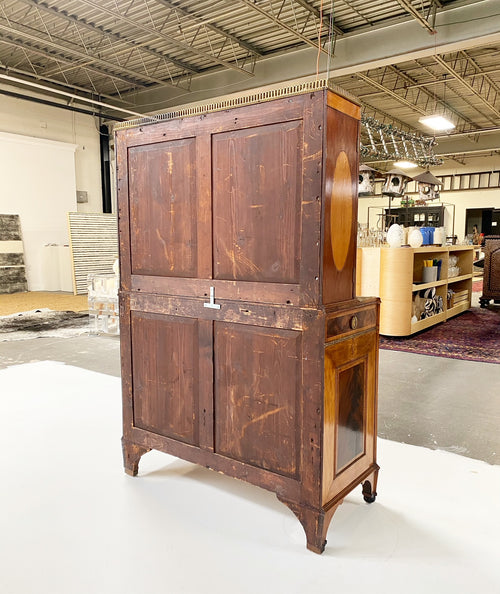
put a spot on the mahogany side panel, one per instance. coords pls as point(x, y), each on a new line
point(257, 375)
point(340, 207)
point(257, 188)
point(163, 213)
point(165, 360)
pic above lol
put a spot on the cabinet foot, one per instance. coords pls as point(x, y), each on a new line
point(370, 487)
point(131, 456)
point(483, 302)
point(315, 523)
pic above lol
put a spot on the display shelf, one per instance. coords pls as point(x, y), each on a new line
point(428, 322)
point(453, 311)
point(421, 286)
point(457, 279)
point(394, 275)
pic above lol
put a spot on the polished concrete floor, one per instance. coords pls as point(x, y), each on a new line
point(434, 402)
point(72, 522)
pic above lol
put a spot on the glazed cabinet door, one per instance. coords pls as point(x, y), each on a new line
point(350, 429)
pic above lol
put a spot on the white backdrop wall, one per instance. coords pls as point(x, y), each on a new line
point(51, 123)
point(37, 182)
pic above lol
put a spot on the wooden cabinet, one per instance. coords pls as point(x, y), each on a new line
point(243, 346)
point(395, 275)
point(491, 276)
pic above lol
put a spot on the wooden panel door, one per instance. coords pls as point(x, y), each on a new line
point(162, 194)
point(171, 369)
point(257, 188)
point(257, 373)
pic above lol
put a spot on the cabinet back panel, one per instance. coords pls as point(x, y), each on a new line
point(162, 191)
point(257, 406)
point(165, 361)
point(257, 181)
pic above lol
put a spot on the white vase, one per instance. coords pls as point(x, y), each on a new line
point(415, 238)
point(395, 235)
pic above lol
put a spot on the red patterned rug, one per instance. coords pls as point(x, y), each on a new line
point(477, 286)
point(472, 336)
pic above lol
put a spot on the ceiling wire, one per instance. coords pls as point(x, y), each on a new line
point(331, 40)
point(320, 31)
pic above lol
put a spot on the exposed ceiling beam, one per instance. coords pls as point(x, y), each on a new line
point(198, 21)
point(59, 83)
point(391, 93)
point(30, 45)
point(417, 16)
point(37, 86)
point(408, 82)
point(169, 39)
point(313, 10)
point(275, 9)
point(466, 84)
point(404, 92)
point(33, 99)
point(81, 22)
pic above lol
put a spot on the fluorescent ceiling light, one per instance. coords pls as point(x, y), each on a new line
point(405, 164)
point(437, 122)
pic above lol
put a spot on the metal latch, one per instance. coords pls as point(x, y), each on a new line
point(212, 303)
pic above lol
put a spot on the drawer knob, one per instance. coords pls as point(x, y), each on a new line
point(354, 322)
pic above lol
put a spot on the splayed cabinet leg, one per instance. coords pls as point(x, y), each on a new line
point(132, 454)
point(315, 523)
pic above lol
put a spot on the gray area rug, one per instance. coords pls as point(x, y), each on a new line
point(43, 323)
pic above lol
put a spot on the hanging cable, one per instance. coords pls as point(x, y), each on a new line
point(320, 31)
point(331, 40)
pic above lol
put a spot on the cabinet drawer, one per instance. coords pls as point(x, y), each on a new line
point(345, 323)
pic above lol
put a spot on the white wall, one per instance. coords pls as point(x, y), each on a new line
point(487, 198)
point(37, 181)
point(18, 116)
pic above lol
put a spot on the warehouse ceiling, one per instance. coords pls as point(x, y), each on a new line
point(139, 55)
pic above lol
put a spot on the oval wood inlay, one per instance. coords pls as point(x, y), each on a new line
point(341, 211)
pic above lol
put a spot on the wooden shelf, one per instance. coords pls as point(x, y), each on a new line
point(423, 324)
point(420, 287)
point(456, 279)
point(390, 273)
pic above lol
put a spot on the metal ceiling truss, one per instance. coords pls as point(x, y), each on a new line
point(423, 19)
point(481, 86)
point(72, 57)
point(301, 16)
point(188, 41)
point(194, 21)
point(108, 36)
point(66, 55)
point(401, 87)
